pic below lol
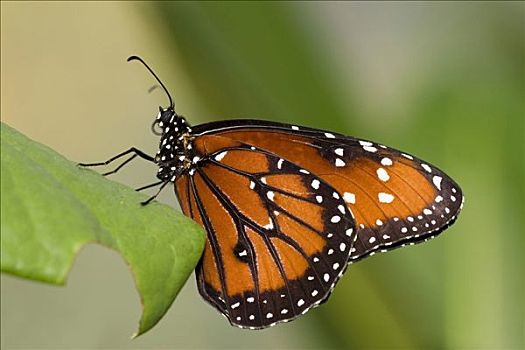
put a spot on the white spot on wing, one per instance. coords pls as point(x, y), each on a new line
point(315, 184)
point(426, 167)
point(385, 197)
point(339, 151)
point(269, 226)
point(382, 174)
point(328, 135)
point(339, 162)
point(335, 219)
point(386, 161)
point(243, 253)
point(220, 156)
point(326, 277)
point(349, 197)
point(437, 181)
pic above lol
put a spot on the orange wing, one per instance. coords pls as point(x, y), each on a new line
point(396, 198)
point(279, 237)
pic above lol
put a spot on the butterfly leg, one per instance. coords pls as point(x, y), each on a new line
point(164, 183)
point(149, 186)
point(136, 152)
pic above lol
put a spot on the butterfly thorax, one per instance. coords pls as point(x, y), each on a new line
point(175, 154)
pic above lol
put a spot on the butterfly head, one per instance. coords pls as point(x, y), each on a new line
point(165, 117)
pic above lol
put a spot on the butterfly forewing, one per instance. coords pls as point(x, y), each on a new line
point(396, 198)
point(279, 237)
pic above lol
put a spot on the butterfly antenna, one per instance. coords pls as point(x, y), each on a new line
point(136, 58)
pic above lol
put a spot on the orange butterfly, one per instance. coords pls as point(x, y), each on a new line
point(287, 208)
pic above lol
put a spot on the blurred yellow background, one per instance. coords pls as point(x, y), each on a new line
point(444, 81)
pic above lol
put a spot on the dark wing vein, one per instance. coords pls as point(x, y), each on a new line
point(234, 214)
point(213, 241)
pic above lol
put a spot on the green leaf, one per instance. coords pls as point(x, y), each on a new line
point(51, 208)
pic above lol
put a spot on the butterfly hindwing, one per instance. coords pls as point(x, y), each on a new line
point(279, 237)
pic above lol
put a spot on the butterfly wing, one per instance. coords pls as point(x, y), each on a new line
point(274, 250)
point(396, 199)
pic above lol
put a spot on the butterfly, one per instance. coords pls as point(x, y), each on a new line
point(287, 208)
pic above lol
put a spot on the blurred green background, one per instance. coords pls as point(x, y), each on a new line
point(444, 81)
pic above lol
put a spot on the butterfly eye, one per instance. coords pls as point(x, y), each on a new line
point(166, 116)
